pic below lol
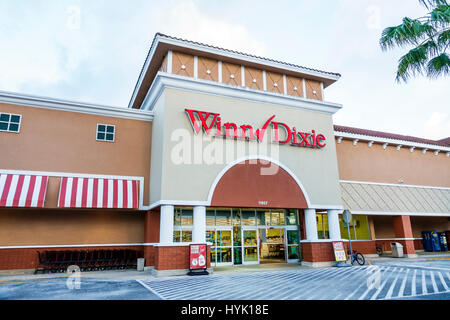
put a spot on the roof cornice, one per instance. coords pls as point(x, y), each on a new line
point(389, 141)
point(165, 80)
point(73, 106)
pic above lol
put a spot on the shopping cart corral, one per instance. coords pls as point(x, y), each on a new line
point(87, 260)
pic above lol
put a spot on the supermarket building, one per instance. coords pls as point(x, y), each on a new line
point(215, 146)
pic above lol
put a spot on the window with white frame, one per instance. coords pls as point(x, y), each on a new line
point(106, 132)
point(183, 221)
point(10, 122)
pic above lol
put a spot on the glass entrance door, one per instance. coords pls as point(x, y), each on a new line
point(272, 245)
point(250, 248)
point(293, 252)
point(224, 247)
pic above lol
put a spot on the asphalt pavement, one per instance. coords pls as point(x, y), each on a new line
point(426, 277)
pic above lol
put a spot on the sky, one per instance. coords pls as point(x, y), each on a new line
point(93, 51)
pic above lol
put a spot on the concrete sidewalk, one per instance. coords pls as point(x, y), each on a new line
point(107, 275)
point(145, 275)
point(421, 256)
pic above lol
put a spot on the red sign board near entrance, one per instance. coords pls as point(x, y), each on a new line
point(209, 120)
point(197, 256)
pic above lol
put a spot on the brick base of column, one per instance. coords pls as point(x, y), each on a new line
point(174, 260)
point(321, 254)
point(317, 254)
point(149, 255)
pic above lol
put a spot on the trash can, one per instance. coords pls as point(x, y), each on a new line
point(397, 249)
point(140, 264)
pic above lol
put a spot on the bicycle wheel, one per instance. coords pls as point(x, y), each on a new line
point(360, 259)
point(379, 251)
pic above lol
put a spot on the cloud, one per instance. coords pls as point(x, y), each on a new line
point(184, 19)
point(437, 126)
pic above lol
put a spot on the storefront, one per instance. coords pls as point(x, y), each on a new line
point(216, 147)
point(244, 236)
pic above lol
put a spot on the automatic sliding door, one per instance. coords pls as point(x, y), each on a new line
point(293, 252)
point(250, 246)
point(224, 247)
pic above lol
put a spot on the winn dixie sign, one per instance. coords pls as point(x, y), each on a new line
point(212, 121)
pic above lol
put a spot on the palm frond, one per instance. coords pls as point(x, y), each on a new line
point(440, 15)
point(433, 3)
point(411, 63)
point(408, 33)
point(438, 66)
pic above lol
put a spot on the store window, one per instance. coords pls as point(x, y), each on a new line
point(261, 217)
point(182, 236)
point(182, 220)
point(322, 226)
point(236, 217)
point(105, 132)
point(183, 217)
point(10, 122)
point(291, 217)
point(248, 217)
point(223, 217)
point(277, 217)
point(210, 217)
point(359, 228)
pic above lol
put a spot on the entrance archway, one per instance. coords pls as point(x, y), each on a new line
point(257, 183)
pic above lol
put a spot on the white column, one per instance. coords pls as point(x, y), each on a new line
point(199, 227)
point(333, 224)
point(311, 224)
point(166, 224)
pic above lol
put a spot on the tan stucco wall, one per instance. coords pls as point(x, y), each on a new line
point(374, 164)
point(61, 141)
point(315, 168)
point(64, 227)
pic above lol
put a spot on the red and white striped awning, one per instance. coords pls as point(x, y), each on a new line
point(20, 190)
point(98, 193)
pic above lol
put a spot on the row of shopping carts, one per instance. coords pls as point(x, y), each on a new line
point(87, 260)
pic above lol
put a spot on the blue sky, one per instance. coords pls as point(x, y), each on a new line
point(93, 51)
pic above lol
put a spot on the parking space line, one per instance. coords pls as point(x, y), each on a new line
point(150, 289)
point(363, 283)
point(433, 282)
point(443, 281)
point(391, 289)
point(413, 283)
point(403, 285)
point(382, 286)
point(424, 285)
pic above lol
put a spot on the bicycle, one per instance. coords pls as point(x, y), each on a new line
point(356, 256)
point(379, 250)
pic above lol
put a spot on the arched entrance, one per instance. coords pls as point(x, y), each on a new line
point(258, 183)
point(263, 200)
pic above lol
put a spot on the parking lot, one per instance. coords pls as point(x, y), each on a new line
point(384, 280)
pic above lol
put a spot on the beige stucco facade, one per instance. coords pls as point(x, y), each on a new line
point(185, 165)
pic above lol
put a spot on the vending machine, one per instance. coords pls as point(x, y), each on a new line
point(426, 240)
point(435, 243)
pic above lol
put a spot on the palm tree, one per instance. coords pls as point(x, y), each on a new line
point(430, 37)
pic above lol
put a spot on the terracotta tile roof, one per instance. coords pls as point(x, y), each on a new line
point(246, 54)
point(443, 142)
